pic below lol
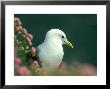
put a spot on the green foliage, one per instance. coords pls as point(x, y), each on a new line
point(21, 42)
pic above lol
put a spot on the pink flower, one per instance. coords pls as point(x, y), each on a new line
point(33, 49)
point(23, 71)
point(24, 31)
point(63, 68)
point(17, 28)
point(17, 61)
point(16, 19)
point(86, 69)
point(30, 36)
point(28, 39)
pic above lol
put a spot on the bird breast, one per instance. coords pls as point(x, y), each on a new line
point(51, 55)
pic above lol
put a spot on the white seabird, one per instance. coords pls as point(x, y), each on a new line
point(51, 50)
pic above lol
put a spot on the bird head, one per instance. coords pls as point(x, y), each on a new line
point(56, 34)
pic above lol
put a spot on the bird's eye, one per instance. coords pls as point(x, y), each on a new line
point(62, 36)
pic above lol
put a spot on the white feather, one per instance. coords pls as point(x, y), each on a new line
point(51, 50)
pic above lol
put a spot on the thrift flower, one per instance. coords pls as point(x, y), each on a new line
point(87, 69)
point(30, 36)
point(17, 28)
point(16, 19)
point(24, 31)
point(33, 49)
point(28, 39)
point(23, 71)
point(17, 61)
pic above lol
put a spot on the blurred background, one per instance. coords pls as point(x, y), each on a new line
point(81, 30)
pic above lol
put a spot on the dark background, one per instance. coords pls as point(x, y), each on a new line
point(81, 30)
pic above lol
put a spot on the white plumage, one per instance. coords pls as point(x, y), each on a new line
point(51, 50)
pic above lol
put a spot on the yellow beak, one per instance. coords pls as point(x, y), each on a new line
point(68, 43)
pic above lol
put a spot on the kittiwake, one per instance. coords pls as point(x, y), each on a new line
point(51, 51)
